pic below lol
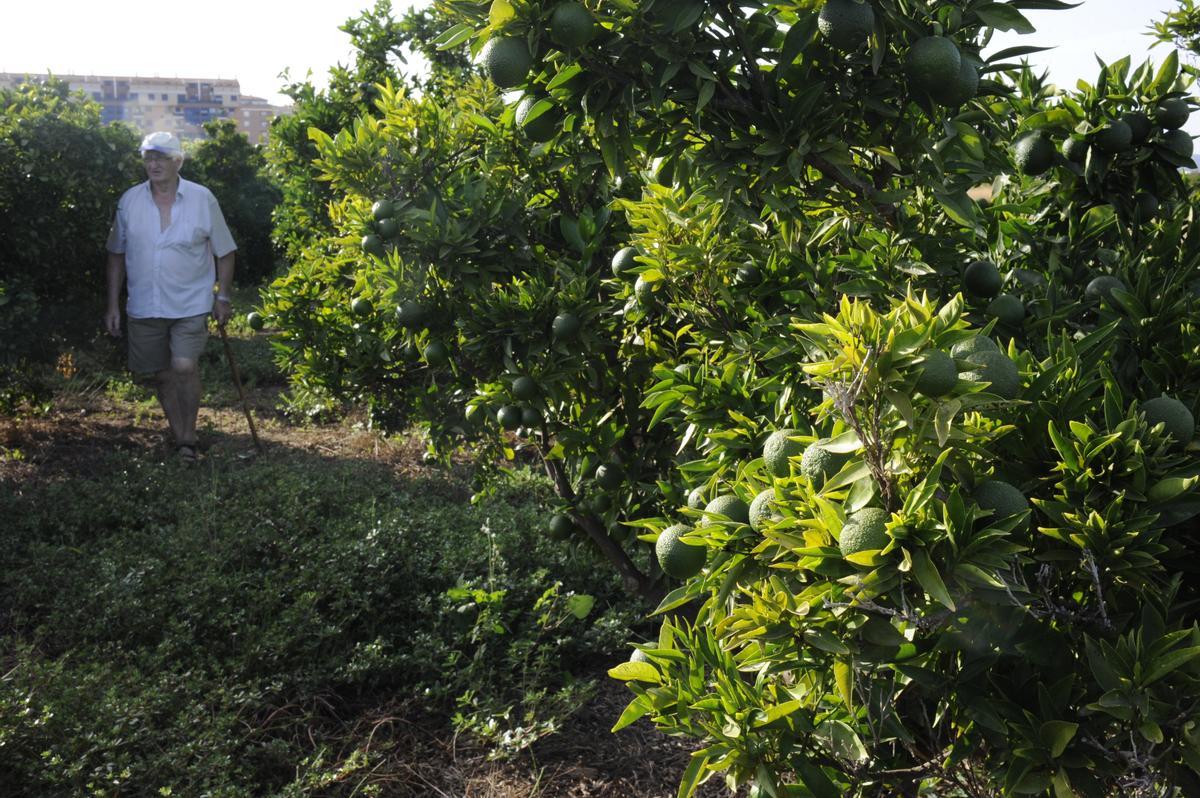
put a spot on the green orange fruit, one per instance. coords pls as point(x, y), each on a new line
point(997, 369)
point(572, 25)
point(982, 279)
point(1033, 153)
point(1172, 113)
point(542, 127)
point(624, 262)
point(409, 314)
point(531, 417)
point(381, 210)
point(679, 559)
point(373, 245)
point(610, 476)
point(1174, 415)
point(778, 450)
point(1102, 287)
point(507, 61)
point(846, 24)
point(1114, 137)
point(1179, 142)
point(939, 374)
point(565, 326)
point(1006, 308)
point(509, 417)
point(561, 526)
point(436, 353)
point(1001, 498)
point(761, 510)
point(525, 388)
point(933, 64)
point(865, 530)
point(729, 506)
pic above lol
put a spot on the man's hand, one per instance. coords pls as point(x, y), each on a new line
point(222, 311)
point(112, 322)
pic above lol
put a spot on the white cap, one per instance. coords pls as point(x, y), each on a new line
point(161, 141)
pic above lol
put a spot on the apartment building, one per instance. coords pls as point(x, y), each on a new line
point(178, 105)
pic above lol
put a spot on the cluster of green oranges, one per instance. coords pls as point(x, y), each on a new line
point(787, 457)
point(935, 67)
point(1159, 128)
point(384, 227)
point(595, 498)
point(508, 60)
point(982, 282)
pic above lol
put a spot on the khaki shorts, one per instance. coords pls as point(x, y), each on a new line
point(154, 342)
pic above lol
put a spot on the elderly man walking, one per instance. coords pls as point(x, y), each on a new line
point(165, 236)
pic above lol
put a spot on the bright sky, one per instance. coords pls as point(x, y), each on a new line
point(255, 40)
point(252, 41)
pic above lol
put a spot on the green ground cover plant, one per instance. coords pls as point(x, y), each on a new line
point(189, 632)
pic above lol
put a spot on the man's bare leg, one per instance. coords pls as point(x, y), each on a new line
point(179, 395)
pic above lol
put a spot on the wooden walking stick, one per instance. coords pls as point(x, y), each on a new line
point(237, 380)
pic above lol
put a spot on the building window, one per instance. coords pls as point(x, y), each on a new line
point(96, 95)
point(164, 97)
point(133, 95)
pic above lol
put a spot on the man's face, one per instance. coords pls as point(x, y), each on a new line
point(160, 166)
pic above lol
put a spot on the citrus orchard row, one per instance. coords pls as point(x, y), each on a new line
point(905, 457)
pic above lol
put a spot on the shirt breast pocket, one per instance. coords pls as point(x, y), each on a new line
point(191, 241)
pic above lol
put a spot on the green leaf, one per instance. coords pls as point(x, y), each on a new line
point(1003, 17)
point(1106, 675)
point(676, 598)
point(943, 418)
point(564, 76)
point(814, 777)
point(454, 36)
point(1015, 52)
point(825, 641)
point(797, 38)
point(693, 773)
point(776, 712)
point(1169, 662)
point(851, 473)
point(636, 672)
point(501, 12)
point(929, 578)
point(580, 605)
point(1171, 487)
point(845, 443)
point(637, 708)
point(1164, 79)
point(843, 674)
point(1065, 450)
point(1056, 735)
point(959, 207)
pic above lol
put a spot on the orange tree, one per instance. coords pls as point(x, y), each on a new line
point(886, 347)
point(61, 172)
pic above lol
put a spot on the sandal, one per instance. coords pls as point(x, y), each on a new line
point(187, 453)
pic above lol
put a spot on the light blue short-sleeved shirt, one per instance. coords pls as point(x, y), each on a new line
point(170, 273)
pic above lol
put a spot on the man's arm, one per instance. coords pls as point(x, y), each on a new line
point(222, 310)
point(116, 279)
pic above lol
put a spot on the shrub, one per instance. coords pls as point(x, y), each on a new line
point(61, 173)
